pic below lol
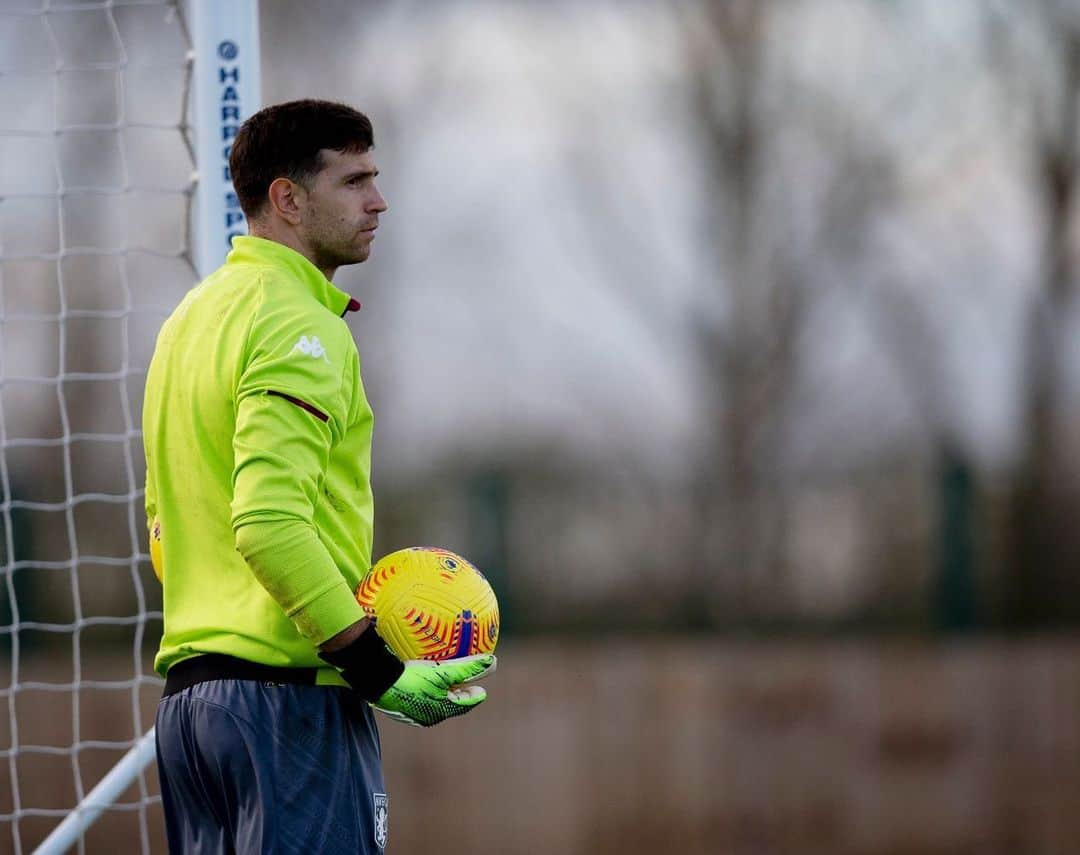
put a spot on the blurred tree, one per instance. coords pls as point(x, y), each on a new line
point(752, 349)
point(1033, 50)
point(769, 261)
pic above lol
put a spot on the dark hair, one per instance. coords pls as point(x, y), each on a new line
point(284, 141)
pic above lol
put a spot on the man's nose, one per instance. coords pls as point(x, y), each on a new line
point(377, 204)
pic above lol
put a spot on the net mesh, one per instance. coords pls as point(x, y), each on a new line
point(95, 191)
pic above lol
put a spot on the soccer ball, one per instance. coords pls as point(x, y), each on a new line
point(429, 603)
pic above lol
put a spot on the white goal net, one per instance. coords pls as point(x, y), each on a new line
point(96, 181)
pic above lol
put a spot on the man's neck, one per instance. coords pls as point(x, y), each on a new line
point(289, 238)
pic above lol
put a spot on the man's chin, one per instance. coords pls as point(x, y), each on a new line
point(358, 253)
point(355, 255)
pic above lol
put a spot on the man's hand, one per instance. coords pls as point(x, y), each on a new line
point(418, 692)
point(430, 692)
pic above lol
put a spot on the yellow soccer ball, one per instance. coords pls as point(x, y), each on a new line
point(429, 603)
point(157, 560)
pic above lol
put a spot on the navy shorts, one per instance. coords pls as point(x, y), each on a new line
point(255, 767)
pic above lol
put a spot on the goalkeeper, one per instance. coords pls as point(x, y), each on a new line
point(258, 450)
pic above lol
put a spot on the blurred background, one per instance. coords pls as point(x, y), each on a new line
point(732, 339)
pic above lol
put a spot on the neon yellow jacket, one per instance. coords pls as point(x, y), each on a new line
point(258, 458)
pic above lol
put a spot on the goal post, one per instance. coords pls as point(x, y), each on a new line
point(115, 198)
point(108, 790)
point(227, 91)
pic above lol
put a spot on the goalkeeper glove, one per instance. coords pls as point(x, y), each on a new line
point(430, 692)
point(417, 692)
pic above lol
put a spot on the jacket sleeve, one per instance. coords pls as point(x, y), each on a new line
point(292, 404)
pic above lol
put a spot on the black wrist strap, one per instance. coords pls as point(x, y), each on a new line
point(367, 664)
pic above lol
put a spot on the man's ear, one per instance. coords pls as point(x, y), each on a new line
point(285, 198)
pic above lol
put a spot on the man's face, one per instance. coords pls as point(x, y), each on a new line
point(341, 209)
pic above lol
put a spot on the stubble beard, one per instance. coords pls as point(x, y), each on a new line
point(332, 251)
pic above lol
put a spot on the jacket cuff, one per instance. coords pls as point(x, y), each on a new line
point(328, 613)
point(367, 664)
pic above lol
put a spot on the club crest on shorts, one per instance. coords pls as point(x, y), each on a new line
point(382, 818)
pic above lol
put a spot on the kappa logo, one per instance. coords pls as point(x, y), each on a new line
point(311, 347)
point(382, 818)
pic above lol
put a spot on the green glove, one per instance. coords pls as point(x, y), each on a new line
point(427, 692)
